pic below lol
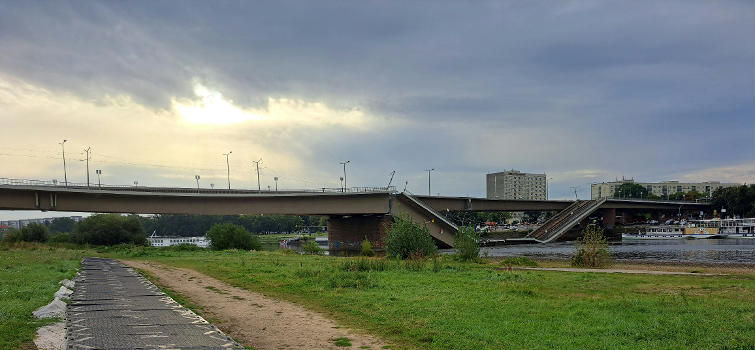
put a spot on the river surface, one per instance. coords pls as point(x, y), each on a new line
point(706, 251)
point(690, 251)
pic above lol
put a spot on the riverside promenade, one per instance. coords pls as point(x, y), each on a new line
point(113, 307)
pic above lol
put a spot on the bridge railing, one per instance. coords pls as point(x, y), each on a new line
point(136, 188)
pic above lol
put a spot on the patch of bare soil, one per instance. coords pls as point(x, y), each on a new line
point(253, 319)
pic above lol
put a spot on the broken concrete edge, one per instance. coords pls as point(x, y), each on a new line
point(53, 336)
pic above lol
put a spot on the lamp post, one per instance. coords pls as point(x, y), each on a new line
point(342, 188)
point(65, 173)
point(196, 177)
point(344, 174)
point(429, 193)
point(87, 150)
point(276, 183)
point(228, 168)
point(99, 172)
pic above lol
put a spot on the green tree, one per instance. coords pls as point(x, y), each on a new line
point(630, 190)
point(406, 237)
point(109, 229)
point(232, 236)
point(531, 216)
point(676, 196)
point(692, 195)
point(738, 200)
point(62, 225)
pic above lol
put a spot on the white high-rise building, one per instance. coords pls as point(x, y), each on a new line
point(661, 189)
point(513, 184)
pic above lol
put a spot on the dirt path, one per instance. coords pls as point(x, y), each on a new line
point(253, 319)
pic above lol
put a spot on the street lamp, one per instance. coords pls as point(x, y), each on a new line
point(65, 173)
point(344, 173)
point(136, 183)
point(99, 172)
point(428, 180)
point(196, 177)
point(228, 168)
point(276, 183)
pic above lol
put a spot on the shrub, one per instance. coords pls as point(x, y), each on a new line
point(519, 261)
point(466, 243)
point(367, 248)
point(109, 229)
point(231, 236)
point(61, 238)
point(405, 238)
point(312, 248)
point(30, 233)
point(592, 249)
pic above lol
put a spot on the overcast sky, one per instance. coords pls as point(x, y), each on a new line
point(585, 91)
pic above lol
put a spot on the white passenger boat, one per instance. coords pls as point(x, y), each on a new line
point(716, 228)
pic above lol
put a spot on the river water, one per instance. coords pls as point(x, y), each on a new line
point(702, 251)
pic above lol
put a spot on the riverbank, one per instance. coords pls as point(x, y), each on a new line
point(445, 304)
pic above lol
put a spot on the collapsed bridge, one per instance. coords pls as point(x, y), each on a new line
point(353, 214)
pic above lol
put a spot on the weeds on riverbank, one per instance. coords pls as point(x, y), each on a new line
point(592, 249)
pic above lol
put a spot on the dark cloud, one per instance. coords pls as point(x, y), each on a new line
point(622, 85)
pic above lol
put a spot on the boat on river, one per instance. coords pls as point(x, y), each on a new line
point(716, 228)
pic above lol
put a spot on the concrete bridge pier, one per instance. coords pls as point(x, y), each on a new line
point(609, 218)
point(346, 232)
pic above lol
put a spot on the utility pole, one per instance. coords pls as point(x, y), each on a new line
point(196, 177)
point(257, 163)
point(344, 174)
point(65, 173)
point(575, 192)
point(428, 181)
point(228, 168)
point(87, 150)
point(99, 172)
point(276, 183)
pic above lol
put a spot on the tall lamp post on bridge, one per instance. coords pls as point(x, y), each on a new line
point(87, 150)
point(429, 193)
point(196, 177)
point(228, 168)
point(343, 187)
point(99, 172)
point(65, 172)
point(276, 183)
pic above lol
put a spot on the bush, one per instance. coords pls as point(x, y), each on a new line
point(109, 229)
point(405, 238)
point(466, 243)
point(592, 249)
point(519, 261)
point(231, 236)
point(61, 238)
point(312, 248)
point(30, 233)
point(367, 248)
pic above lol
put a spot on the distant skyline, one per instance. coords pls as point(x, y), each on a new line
point(582, 91)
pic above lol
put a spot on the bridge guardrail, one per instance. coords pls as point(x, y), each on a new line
point(136, 188)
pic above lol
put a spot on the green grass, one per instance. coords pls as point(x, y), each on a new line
point(342, 341)
point(462, 305)
point(479, 306)
point(28, 280)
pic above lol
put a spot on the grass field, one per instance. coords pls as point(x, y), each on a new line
point(28, 279)
point(442, 304)
point(451, 305)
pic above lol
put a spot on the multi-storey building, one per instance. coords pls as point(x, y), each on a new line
point(513, 184)
point(661, 189)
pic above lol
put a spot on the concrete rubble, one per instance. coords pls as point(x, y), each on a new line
point(53, 337)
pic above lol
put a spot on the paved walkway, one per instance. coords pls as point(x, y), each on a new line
point(113, 307)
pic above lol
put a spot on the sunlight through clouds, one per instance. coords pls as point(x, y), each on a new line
point(211, 108)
